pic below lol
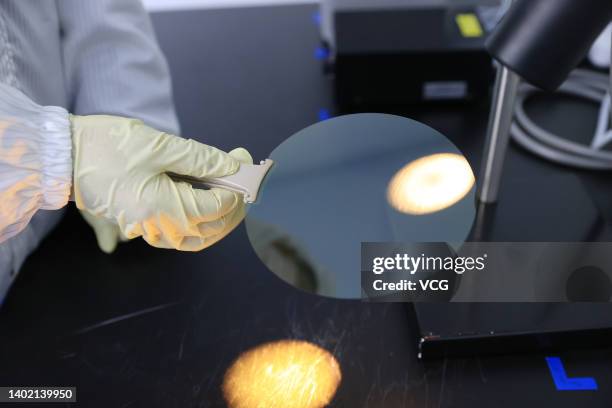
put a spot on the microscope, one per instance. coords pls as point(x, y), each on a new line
point(537, 42)
point(540, 42)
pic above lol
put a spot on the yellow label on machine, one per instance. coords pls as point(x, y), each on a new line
point(469, 25)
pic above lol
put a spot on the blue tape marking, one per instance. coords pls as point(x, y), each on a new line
point(321, 53)
point(316, 18)
point(324, 114)
point(563, 382)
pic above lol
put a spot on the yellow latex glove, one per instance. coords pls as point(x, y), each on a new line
point(107, 232)
point(120, 181)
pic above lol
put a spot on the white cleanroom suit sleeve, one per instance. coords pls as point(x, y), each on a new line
point(113, 64)
point(97, 56)
point(35, 160)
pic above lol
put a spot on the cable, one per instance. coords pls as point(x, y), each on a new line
point(584, 84)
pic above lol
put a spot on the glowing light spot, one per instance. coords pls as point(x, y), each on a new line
point(283, 374)
point(431, 183)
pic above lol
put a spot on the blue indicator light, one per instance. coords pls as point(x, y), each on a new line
point(316, 18)
point(321, 53)
point(324, 114)
point(563, 382)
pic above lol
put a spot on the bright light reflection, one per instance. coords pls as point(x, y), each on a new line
point(283, 374)
point(431, 183)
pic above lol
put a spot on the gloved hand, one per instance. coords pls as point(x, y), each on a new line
point(107, 232)
point(120, 175)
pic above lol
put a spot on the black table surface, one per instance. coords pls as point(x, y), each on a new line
point(158, 328)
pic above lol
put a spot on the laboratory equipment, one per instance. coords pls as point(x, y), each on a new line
point(396, 52)
point(540, 42)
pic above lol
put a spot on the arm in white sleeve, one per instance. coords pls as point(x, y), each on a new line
point(113, 64)
point(35, 160)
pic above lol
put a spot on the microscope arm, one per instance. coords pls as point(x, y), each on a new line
point(539, 41)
